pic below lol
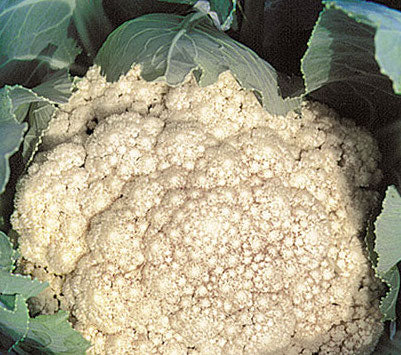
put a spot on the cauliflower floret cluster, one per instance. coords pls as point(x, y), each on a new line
point(188, 220)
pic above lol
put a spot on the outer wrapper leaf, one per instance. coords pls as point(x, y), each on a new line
point(53, 334)
point(388, 232)
point(382, 240)
point(34, 30)
point(341, 69)
point(11, 135)
point(46, 334)
point(341, 60)
point(387, 25)
point(15, 103)
point(14, 324)
point(169, 47)
point(221, 11)
point(8, 255)
point(11, 284)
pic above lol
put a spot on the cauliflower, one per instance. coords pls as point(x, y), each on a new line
point(188, 220)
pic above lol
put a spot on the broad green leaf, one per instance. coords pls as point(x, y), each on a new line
point(387, 25)
point(39, 118)
point(341, 55)
point(11, 136)
point(7, 254)
point(53, 334)
point(7, 301)
point(376, 236)
point(55, 88)
point(15, 103)
point(92, 24)
point(35, 30)
point(11, 284)
point(383, 241)
point(221, 11)
point(388, 303)
point(340, 69)
point(388, 232)
point(15, 323)
point(169, 47)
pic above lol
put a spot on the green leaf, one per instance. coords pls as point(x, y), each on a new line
point(383, 241)
point(53, 334)
point(221, 11)
point(39, 118)
point(8, 255)
point(169, 47)
point(388, 303)
point(341, 58)
point(11, 284)
point(35, 30)
point(340, 69)
point(15, 323)
point(11, 136)
point(15, 103)
point(387, 25)
point(388, 232)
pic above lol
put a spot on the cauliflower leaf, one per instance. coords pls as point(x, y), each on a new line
point(221, 11)
point(388, 231)
point(168, 47)
point(340, 67)
point(384, 248)
point(387, 25)
point(34, 30)
point(49, 334)
point(16, 102)
point(11, 135)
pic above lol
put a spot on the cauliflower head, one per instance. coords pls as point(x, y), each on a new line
point(188, 220)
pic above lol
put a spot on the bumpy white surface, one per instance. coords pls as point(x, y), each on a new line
point(189, 221)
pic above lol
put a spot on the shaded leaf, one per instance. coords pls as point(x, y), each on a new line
point(53, 334)
point(382, 241)
point(169, 47)
point(387, 25)
point(8, 255)
point(11, 284)
point(15, 323)
point(11, 136)
point(35, 30)
point(388, 232)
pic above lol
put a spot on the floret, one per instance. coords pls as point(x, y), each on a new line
point(189, 220)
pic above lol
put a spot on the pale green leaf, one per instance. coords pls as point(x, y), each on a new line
point(384, 248)
point(53, 334)
point(15, 323)
point(388, 232)
point(7, 254)
point(11, 284)
point(387, 25)
point(169, 47)
point(11, 136)
point(35, 30)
